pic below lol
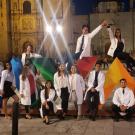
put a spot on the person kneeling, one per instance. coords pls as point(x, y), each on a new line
point(47, 104)
point(123, 101)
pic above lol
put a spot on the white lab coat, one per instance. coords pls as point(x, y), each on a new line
point(77, 83)
point(7, 76)
point(87, 52)
point(31, 55)
point(114, 42)
point(126, 99)
point(50, 98)
point(100, 87)
point(57, 83)
point(25, 90)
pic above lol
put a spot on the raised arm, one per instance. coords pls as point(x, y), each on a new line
point(95, 31)
point(111, 35)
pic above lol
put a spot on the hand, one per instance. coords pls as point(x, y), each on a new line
point(93, 89)
point(45, 103)
point(104, 23)
point(22, 96)
point(123, 108)
point(13, 88)
point(47, 107)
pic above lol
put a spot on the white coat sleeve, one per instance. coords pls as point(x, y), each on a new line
point(132, 99)
point(21, 85)
point(82, 83)
point(95, 31)
point(115, 99)
point(111, 34)
point(2, 80)
point(35, 55)
point(14, 82)
point(51, 95)
point(56, 81)
point(78, 46)
point(90, 82)
point(42, 97)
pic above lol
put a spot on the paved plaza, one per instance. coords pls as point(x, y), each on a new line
point(70, 126)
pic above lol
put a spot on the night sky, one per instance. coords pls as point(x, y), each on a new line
point(84, 7)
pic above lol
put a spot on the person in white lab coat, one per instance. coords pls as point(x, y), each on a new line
point(27, 56)
point(61, 85)
point(83, 47)
point(47, 100)
point(117, 49)
point(25, 92)
point(95, 92)
point(1, 68)
point(123, 101)
point(7, 87)
point(77, 86)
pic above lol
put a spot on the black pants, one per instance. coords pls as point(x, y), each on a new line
point(45, 110)
point(93, 102)
point(130, 62)
point(64, 97)
point(117, 111)
point(27, 108)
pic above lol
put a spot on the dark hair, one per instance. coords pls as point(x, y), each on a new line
point(5, 67)
point(46, 90)
point(25, 46)
point(59, 69)
point(83, 26)
point(98, 62)
point(123, 79)
point(117, 29)
point(71, 67)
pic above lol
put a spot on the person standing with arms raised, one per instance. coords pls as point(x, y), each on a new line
point(83, 47)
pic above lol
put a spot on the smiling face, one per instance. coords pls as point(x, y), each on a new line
point(85, 30)
point(29, 49)
point(73, 70)
point(48, 85)
point(118, 33)
point(97, 67)
point(123, 83)
point(8, 66)
point(62, 67)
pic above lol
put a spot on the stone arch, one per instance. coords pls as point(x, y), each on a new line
point(26, 7)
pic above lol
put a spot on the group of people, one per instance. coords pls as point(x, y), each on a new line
point(69, 85)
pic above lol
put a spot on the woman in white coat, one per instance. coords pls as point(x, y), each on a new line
point(47, 100)
point(77, 86)
point(25, 91)
point(117, 48)
point(61, 85)
point(27, 55)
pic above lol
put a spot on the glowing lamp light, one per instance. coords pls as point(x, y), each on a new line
point(59, 28)
point(49, 29)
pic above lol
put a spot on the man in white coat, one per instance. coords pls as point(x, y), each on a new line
point(83, 47)
point(123, 101)
point(95, 92)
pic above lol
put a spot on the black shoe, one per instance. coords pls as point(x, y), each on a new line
point(116, 119)
point(128, 119)
point(93, 119)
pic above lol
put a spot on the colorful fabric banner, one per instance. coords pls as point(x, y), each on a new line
point(85, 65)
point(17, 69)
point(116, 72)
point(46, 67)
